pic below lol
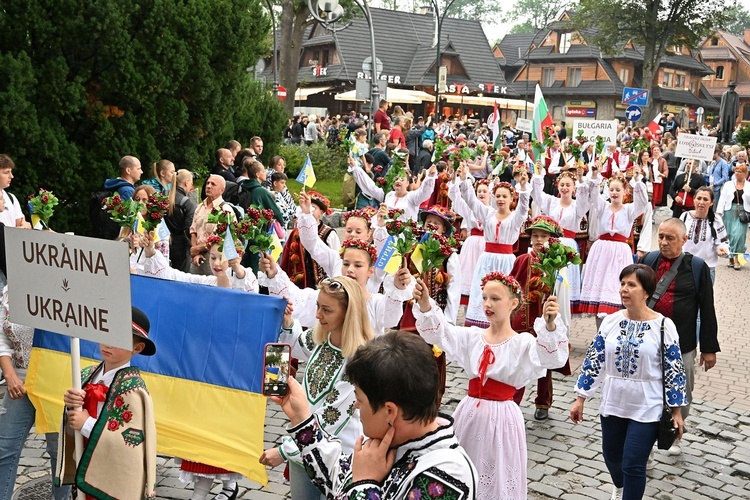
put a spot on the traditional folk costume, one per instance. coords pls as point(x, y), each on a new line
point(569, 219)
point(600, 291)
point(731, 201)
point(158, 266)
point(409, 203)
point(705, 237)
point(297, 262)
point(489, 425)
point(694, 180)
point(659, 173)
point(499, 237)
point(554, 162)
point(428, 468)
point(473, 245)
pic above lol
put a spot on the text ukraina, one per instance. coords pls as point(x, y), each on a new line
point(76, 259)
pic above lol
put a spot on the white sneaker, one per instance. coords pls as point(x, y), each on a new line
point(616, 493)
point(675, 449)
point(651, 462)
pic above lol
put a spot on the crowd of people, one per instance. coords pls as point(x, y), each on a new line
point(482, 222)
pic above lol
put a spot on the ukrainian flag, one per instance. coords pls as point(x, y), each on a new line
point(205, 379)
point(306, 176)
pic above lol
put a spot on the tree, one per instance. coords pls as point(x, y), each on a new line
point(656, 25)
point(535, 14)
point(737, 21)
point(84, 82)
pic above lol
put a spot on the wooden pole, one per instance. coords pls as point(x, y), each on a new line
point(75, 361)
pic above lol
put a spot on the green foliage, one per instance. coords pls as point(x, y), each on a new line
point(524, 28)
point(534, 13)
point(328, 163)
point(743, 136)
point(100, 79)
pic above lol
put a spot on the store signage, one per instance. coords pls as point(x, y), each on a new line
point(320, 71)
point(581, 112)
point(388, 78)
point(490, 88)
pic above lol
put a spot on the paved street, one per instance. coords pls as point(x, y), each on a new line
point(565, 460)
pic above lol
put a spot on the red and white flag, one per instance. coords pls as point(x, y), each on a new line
point(654, 126)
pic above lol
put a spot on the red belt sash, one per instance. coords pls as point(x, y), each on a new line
point(613, 237)
point(476, 232)
point(492, 390)
point(498, 248)
point(569, 234)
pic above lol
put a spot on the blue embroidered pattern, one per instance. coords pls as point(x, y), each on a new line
point(629, 341)
point(674, 376)
point(592, 364)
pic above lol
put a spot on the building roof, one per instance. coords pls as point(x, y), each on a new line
point(403, 42)
point(513, 45)
point(717, 53)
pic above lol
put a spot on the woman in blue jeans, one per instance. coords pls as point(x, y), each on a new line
point(625, 360)
point(16, 411)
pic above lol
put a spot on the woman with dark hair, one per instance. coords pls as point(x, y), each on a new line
point(707, 236)
point(626, 358)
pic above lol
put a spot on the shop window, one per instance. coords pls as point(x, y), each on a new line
point(574, 77)
point(719, 72)
point(548, 77)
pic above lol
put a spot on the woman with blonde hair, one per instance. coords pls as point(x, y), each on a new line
point(163, 176)
point(342, 326)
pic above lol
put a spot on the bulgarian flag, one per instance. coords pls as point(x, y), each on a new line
point(496, 138)
point(654, 126)
point(541, 120)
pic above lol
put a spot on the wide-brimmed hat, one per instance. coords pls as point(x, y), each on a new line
point(545, 224)
point(141, 326)
point(442, 212)
point(323, 203)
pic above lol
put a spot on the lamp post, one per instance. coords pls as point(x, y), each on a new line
point(275, 53)
point(333, 12)
point(438, 28)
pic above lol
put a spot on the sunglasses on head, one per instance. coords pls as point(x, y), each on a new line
point(332, 285)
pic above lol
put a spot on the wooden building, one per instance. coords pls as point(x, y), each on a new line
point(728, 56)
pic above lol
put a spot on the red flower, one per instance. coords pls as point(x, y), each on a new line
point(381, 181)
point(45, 198)
point(156, 215)
point(119, 401)
point(127, 415)
point(120, 209)
point(113, 425)
point(268, 213)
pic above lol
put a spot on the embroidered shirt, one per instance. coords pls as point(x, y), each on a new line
point(100, 377)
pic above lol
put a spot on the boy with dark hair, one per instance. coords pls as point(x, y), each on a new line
point(411, 451)
point(117, 423)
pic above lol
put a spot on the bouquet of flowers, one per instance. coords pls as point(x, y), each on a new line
point(42, 205)
point(547, 140)
point(575, 146)
point(463, 154)
point(255, 229)
point(123, 212)
point(402, 231)
point(435, 249)
point(599, 145)
point(156, 208)
point(397, 170)
point(554, 257)
point(345, 138)
point(440, 147)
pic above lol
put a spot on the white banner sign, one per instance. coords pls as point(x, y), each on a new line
point(696, 147)
point(524, 125)
point(592, 128)
point(72, 285)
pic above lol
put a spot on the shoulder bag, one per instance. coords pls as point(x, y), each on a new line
point(663, 283)
point(667, 432)
point(741, 214)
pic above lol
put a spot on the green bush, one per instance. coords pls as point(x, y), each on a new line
point(329, 164)
point(743, 135)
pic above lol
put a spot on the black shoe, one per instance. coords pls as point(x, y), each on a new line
point(541, 414)
point(226, 494)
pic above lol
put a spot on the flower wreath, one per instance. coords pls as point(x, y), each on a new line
point(519, 169)
point(506, 185)
point(481, 182)
point(319, 199)
point(360, 245)
point(619, 178)
point(545, 223)
point(509, 281)
point(361, 213)
point(568, 174)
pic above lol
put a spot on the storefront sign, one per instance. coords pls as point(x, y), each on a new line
point(581, 112)
point(580, 104)
point(319, 71)
point(388, 78)
point(490, 88)
point(607, 129)
point(696, 147)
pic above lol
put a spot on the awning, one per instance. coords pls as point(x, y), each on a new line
point(403, 96)
point(302, 93)
point(502, 103)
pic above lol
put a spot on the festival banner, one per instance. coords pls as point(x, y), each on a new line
point(205, 378)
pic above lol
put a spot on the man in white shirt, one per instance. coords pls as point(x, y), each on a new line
point(10, 209)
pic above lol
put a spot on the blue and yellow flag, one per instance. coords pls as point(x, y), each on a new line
point(306, 176)
point(389, 259)
point(205, 379)
point(161, 232)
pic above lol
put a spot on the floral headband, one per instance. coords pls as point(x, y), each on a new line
point(566, 173)
point(320, 200)
point(361, 214)
point(506, 280)
point(617, 178)
point(360, 245)
point(506, 185)
point(519, 169)
point(545, 223)
point(482, 182)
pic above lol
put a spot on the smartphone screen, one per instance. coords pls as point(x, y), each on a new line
point(276, 359)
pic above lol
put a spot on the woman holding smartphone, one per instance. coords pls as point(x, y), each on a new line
point(342, 326)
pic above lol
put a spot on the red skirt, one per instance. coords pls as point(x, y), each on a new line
point(656, 198)
point(198, 468)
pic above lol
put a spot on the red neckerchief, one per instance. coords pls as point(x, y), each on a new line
point(95, 394)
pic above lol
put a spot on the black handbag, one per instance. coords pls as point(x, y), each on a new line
point(667, 432)
point(741, 213)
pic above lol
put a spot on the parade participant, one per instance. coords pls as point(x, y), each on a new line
point(626, 358)
point(117, 422)
point(17, 414)
point(358, 263)
point(296, 260)
point(342, 326)
point(501, 230)
point(498, 361)
point(568, 213)
point(610, 253)
point(683, 188)
point(541, 229)
point(141, 195)
point(554, 162)
point(734, 202)
point(643, 162)
point(162, 171)
point(399, 197)
point(473, 244)
point(707, 236)
point(411, 451)
point(659, 173)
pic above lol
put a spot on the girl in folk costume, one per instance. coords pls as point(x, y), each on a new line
point(618, 160)
point(541, 230)
point(488, 424)
point(296, 260)
point(239, 278)
point(707, 236)
point(600, 290)
point(568, 213)
point(473, 245)
point(659, 174)
point(342, 326)
point(501, 230)
point(394, 191)
point(357, 261)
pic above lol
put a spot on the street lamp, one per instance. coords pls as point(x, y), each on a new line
point(333, 12)
point(275, 53)
point(439, 25)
